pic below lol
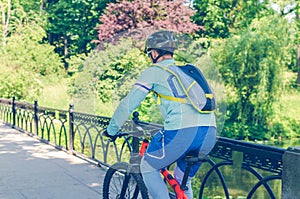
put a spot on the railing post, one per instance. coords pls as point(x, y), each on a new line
point(71, 127)
point(13, 106)
point(291, 173)
point(36, 119)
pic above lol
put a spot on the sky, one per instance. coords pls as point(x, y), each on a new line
point(291, 15)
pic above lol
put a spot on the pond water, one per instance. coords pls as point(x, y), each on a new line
point(286, 143)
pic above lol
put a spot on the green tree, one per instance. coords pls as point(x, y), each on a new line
point(71, 24)
point(6, 14)
point(252, 64)
point(32, 6)
point(291, 10)
point(26, 63)
point(109, 74)
point(220, 18)
point(286, 8)
point(298, 43)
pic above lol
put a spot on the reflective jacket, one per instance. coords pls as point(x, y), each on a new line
point(176, 115)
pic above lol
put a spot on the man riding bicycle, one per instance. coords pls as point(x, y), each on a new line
point(185, 130)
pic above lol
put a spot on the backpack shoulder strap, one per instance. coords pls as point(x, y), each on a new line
point(167, 97)
point(190, 86)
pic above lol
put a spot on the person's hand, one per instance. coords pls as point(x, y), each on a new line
point(111, 138)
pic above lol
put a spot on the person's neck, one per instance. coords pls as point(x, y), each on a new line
point(164, 57)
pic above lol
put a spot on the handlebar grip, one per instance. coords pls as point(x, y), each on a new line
point(135, 116)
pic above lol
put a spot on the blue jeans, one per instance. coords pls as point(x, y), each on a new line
point(170, 146)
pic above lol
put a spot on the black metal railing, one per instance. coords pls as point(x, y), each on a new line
point(254, 166)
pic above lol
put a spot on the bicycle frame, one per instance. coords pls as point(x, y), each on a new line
point(132, 169)
point(179, 192)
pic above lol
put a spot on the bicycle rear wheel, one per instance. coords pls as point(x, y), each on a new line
point(116, 179)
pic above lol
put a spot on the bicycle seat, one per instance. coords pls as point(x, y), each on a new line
point(193, 157)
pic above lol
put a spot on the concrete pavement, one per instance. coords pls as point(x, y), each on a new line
point(30, 169)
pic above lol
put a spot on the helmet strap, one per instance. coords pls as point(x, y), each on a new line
point(155, 59)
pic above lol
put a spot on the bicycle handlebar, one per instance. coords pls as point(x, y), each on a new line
point(140, 123)
point(141, 127)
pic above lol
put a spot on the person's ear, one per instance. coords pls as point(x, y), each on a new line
point(154, 54)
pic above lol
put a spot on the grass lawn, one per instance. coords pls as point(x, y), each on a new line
point(55, 95)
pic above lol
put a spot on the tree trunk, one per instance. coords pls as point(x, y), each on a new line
point(5, 20)
point(66, 52)
point(298, 66)
point(41, 7)
point(298, 51)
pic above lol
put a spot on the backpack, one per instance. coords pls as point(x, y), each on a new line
point(197, 90)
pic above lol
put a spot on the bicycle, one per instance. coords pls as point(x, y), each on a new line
point(124, 180)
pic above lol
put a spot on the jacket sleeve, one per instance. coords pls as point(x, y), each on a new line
point(133, 99)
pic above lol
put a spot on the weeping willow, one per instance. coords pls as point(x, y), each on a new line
point(252, 66)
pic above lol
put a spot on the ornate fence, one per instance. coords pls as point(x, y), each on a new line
point(257, 168)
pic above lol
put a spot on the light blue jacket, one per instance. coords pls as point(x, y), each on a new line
point(176, 115)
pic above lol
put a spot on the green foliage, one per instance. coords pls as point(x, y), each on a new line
point(71, 25)
point(115, 68)
point(251, 61)
point(252, 64)
point(120, 73)
point(18, 85)
point(29, 6)
point(107, 75)
point(285, 123)
point(25, 62)
point(284, 127)
point(31, 54)
point(75, 63)
point(220, 18)
point(54, 93)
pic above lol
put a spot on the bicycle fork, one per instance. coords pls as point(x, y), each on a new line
point(134, 167)
point(125, 187)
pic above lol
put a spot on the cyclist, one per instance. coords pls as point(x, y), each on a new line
point(185, 129)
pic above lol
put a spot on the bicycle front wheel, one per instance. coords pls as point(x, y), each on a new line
point(119, 184)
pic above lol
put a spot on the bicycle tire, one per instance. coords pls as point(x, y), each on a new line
point(114, 180)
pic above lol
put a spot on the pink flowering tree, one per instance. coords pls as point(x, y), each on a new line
point(130, 16)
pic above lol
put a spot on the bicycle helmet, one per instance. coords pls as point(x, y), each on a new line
point(162, 40)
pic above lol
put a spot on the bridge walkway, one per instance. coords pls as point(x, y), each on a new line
point(30, 169)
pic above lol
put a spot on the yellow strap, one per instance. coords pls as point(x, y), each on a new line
point(190, 86)
point(176, 99)
point(181, 100)
point(210, 96)
point(204, 112)
point(158, 100)
point(179, 63)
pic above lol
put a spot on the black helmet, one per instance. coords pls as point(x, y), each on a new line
point(163, 40)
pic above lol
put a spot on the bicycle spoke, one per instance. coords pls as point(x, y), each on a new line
point(119, 185)
point(136, 192)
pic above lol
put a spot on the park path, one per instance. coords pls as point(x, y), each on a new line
point(30, 169)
